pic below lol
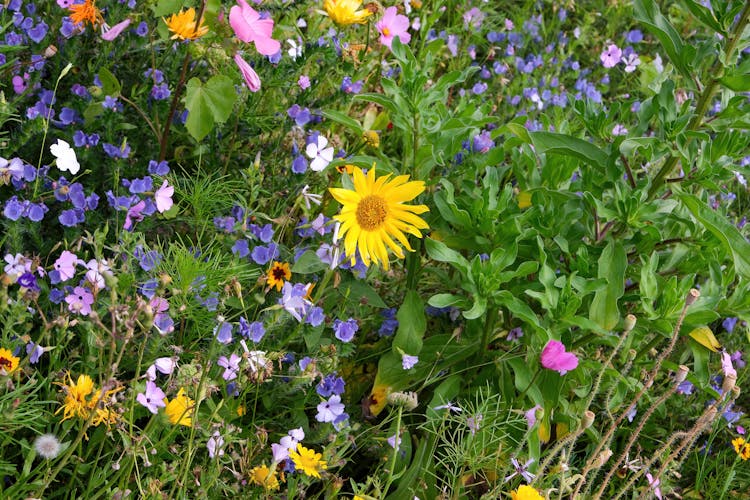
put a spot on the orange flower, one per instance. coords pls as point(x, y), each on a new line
point(86, 11)
point(183, 26)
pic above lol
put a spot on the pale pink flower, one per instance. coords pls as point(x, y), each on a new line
point(393, 24)
point(252, 80)
point(249, 27)
point(163, 197)
point(115, 30)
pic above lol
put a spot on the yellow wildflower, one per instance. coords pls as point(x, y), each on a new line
point(344, 12)
point(307, 461)
point(278, 274)
point(180, 409)
point(182, 25)
point(742, 448)
point(8, 362)
point(263, 476)
point(525, 492)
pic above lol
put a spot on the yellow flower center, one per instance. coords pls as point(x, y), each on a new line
point(386, 32)
point(372, 211)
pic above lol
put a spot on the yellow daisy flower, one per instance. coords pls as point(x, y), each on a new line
point(278, 274)
point(85, 12)
point(525, 492)
point(77, 402)
point(742, 448)
point(344, 12)
point(263, 476)
point(307, 461)
point(182, 25)
point(180, 409)
point(374, 213)
point(8, 362)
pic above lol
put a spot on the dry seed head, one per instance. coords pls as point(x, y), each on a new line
point(692, 296)
point(681, 374)
point(630, 321)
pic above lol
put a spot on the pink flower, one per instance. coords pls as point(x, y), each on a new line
point(252, 80)
point(115, 30)
point(555, 358)
point(249, 27)
point(80, 301)
point(152, 398)
point(611, 56)
point(726, 365)
point(163, 197)
point(393, 24)
point(134, 215)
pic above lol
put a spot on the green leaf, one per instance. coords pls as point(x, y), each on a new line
point(166, 7)
point(356, 291)
point(343, 119)
point(444, 393)
point(729, 236)
point(439, 251)
point(648, 13)
point(412, 324)
point(208, 104)
point(445, 300)
point(550, 142)
point(612, 264)
point(308, 263)
point(110, 85)
point(704, 15)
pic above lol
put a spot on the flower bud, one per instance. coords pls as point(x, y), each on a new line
point(692, 296)
point(630, 321)
point(588, 419)
point(729, 383)
point(681, 374)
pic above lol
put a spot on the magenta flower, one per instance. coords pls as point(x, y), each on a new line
point(80, 301)
point(153, 398)
point(249, 27)
point(65, 265)
point(252, 80)
point(554, 357)
point(393, 24)
point(134, 214)
point(163, 197)
point(115, 30)
point(611, 56)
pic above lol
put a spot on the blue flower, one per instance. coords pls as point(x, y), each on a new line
point(345, 330)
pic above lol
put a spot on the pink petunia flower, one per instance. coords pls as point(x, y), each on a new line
point(249, 27)
point(611, 56)
point(393, 24)
point(252, 80)
point(163, 197)
point(80, 301)
point(554, 357)
point(115, 30)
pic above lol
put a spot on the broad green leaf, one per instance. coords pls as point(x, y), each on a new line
point(439, 251)
point(208, 104)
point(612, 264)
point(412, 324)
point(308, 263)
point(550, 142)
point(700, 366)
point(704, 15)
point(725, 231)
point(343, 119)
point(357, 291)
point(110, 85)
point(445, 300)
point(166, 7)
point(445, 393)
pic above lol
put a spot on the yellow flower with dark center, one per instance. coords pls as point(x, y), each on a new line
point(525, 492)
point(742, 448)
point(180, 409)
point(278, 274)
point(344, 12)
point(263, 476)
point(348, 168)
point(85, 12)
point(307, 461)
point(374, 213)
point(8, 362)
point(183, 26)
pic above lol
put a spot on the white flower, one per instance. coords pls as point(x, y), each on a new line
point(321, 155)
point(215, 444)
point(47, 446)
point(295, 50)
point(66, 157)
point(310, 197)
point(257, 360)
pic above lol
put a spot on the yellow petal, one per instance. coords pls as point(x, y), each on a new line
point(704, 336)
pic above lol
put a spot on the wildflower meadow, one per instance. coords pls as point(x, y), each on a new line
point(404, 249)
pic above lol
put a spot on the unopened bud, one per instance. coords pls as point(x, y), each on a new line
point(692, 296)
point(588, 419)
point(736, 391)
point(630, 320)
point(632, 353)
point(729, 383)
point(681, 375)
point(408, 400)
point(603, 458)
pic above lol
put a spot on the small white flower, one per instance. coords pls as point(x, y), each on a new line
point(66, 157)
point(295, 49)
point(47, 446)
point(321, 155)
point(257, 360)
point(310, 197)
